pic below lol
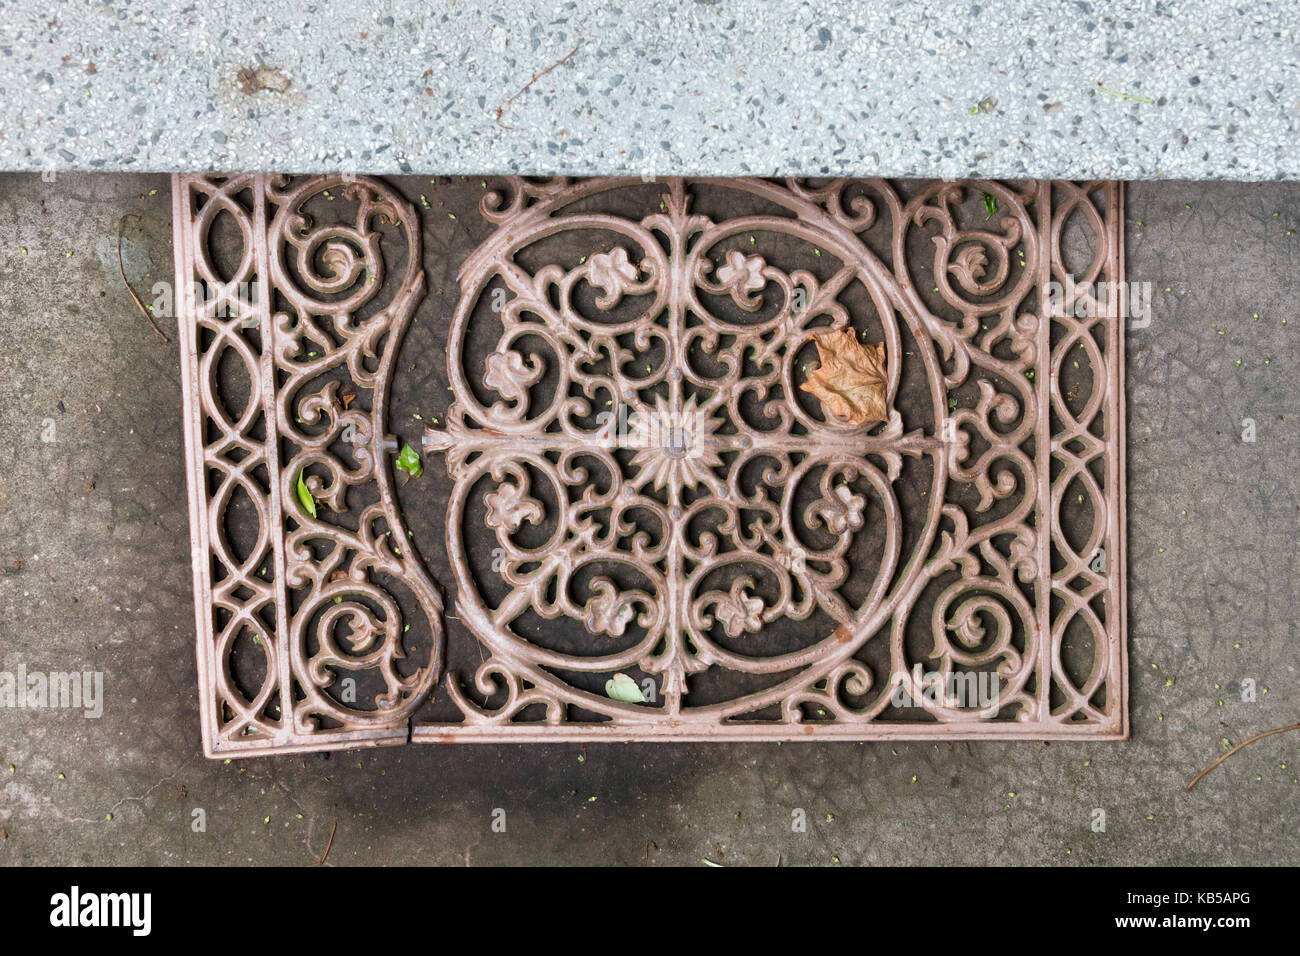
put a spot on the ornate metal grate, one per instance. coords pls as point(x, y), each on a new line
point(301, 637)
point(729, 459)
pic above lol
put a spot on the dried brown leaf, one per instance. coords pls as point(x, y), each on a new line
point(850, 382)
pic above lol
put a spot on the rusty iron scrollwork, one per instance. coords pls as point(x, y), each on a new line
point(729, 504)
point(301, 647)
point(729, 460)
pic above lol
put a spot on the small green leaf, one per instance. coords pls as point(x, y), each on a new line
point(990, 204)
point(408, 460)
point(305, 497)
point(621, 687)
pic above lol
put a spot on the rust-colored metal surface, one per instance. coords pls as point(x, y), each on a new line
point(311, 321)
point(729, 459)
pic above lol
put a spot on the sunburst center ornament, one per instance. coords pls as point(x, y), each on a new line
point(672, 444)
point(850, 382)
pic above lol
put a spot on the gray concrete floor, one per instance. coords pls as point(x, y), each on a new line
point(94, 551)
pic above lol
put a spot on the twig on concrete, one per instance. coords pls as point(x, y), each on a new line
point(536, 76)
point(1125, 96)
point(330, 843)
point(122, 271)
point(1245, 743)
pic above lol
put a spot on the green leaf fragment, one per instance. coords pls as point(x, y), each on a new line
point(623, 688)
point(305, 496)
point(408, 460)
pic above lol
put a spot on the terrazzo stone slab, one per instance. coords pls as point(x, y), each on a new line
point(698, 87)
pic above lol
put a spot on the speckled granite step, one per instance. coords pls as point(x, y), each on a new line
point(1072, 90)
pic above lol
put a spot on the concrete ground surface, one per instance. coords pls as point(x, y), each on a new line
point(94, 547)
point(1065, 88)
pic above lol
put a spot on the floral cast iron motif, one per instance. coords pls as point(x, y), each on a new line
point(656, 471)
point(730, 505)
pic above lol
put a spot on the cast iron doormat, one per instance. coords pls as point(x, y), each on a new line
point(708, 459)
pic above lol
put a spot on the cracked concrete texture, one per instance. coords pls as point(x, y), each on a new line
point(96, 522)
